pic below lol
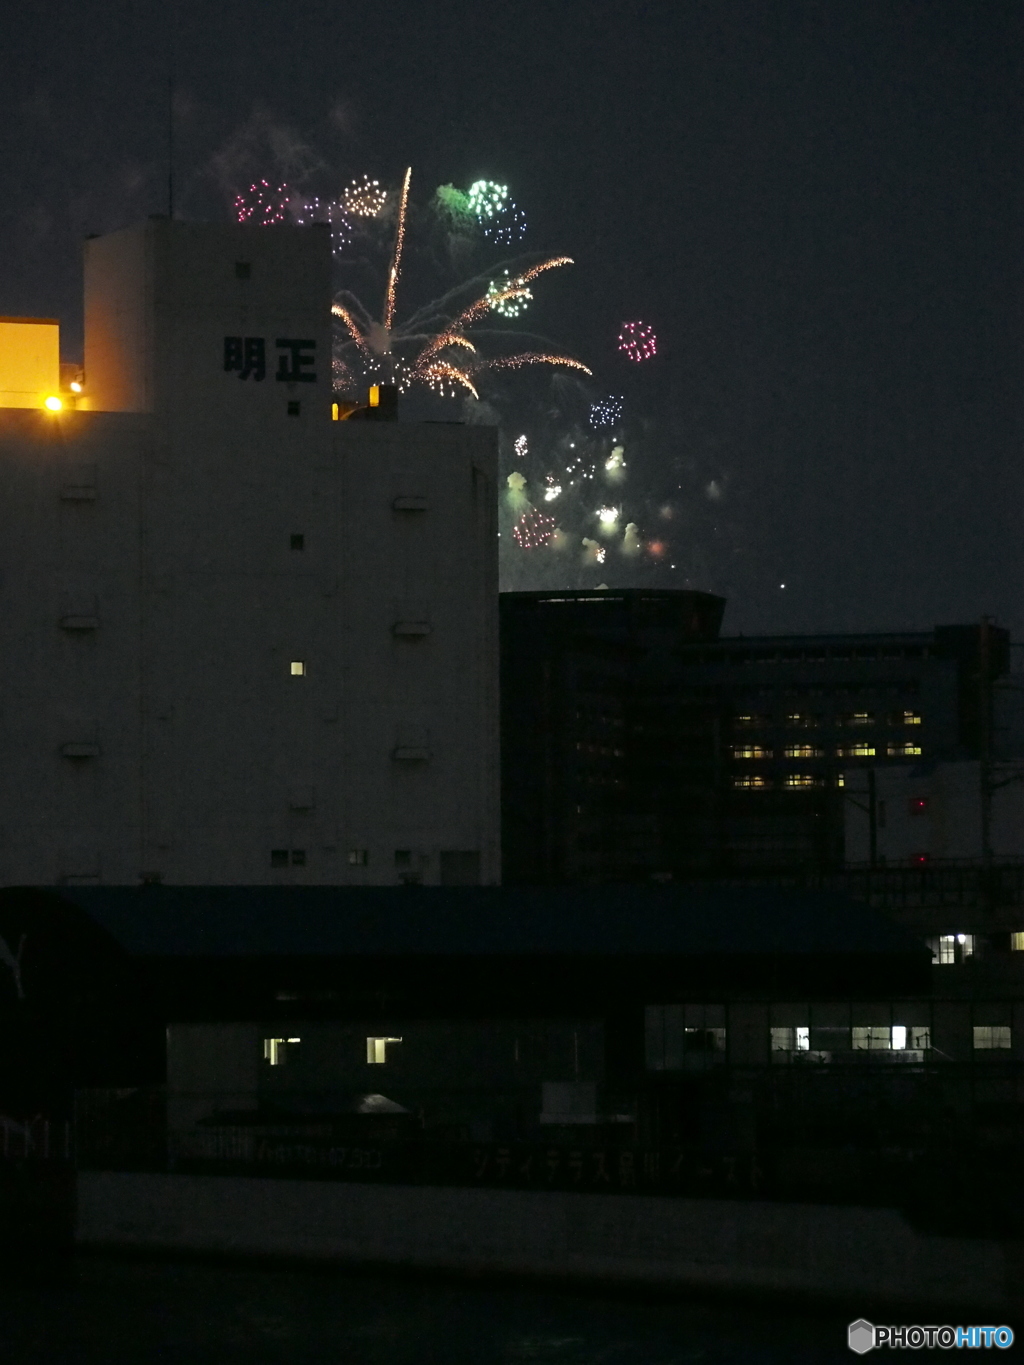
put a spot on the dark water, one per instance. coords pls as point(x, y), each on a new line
point(112, 1312)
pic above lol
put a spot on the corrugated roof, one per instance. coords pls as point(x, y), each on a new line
point(261, 921)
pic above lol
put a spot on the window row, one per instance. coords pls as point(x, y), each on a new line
point(757, 782)
point(904, 749)
point(279, 1051)
point(806, 720)
point(684, 1037)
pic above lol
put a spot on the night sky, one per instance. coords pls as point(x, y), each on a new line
point(817, 205)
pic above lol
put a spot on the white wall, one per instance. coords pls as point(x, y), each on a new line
point(210, 754)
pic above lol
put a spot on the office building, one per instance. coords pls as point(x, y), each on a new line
point(241, 641)
point(639, 745)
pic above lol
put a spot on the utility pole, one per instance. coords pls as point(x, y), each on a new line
point(985, 736)
point(872, 820)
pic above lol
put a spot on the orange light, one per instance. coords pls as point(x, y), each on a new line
point(29, 361)
point(53, 403)
point(374, 396)
point(75, 386)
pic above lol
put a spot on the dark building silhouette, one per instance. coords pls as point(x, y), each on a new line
point(637, 744)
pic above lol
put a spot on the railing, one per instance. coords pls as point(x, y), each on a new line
point(961, 1178)
point(939, 883)
point(948, 1191)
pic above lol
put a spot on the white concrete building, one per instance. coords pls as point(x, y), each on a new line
point(240, 642)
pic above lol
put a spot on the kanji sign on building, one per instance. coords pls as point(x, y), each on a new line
point(247, 357)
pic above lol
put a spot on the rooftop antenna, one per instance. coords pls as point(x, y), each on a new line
point(170, 145)
point(172, 19)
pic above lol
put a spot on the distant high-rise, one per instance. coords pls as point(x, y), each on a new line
point(637, 745)
point(240, 642)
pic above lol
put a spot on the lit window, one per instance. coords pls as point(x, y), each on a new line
point(750, 722)
point(377, 1050)
point(791, 1039)
point(801, 780)
point(913, 1038)
point(911, 718)
point(803, 751)
point(948, 949)
point(907, 750)
point(276, 1051)
point(750, 751)
point(1017, 943)
point(856, 751)
point(860, 718)
point(874, 1038)
point(298, 668)
point(751, 781)
point(358, 857)
point(991, 1035)
point(801, 720)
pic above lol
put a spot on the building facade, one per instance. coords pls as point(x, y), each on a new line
point(634, 752)
point(242, 643)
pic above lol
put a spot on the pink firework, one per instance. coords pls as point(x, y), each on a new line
point(263, 204)
point(637, 341)
point(533, 529)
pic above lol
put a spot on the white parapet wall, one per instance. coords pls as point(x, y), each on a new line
point(864, 1255)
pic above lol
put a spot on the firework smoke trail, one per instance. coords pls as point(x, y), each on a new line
point(396, 260)
point(441, 371)
point(515, 362)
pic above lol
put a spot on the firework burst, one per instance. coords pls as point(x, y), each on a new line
point(487, 200)
point(364, 198)
point(533, 530)
point(509, 304)
point(330, 211)
point(637, 341)
point(263, 204)
point(501, 220)
point(431, 347)
point(606, 412)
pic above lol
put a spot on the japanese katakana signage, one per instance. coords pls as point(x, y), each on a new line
point(247, 357)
